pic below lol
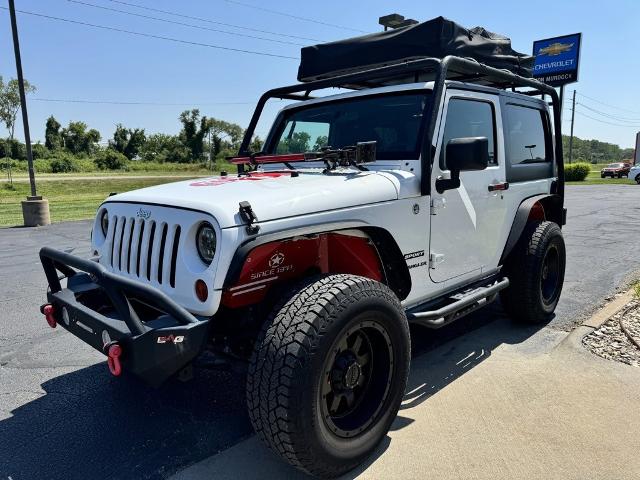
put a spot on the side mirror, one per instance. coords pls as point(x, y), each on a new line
point(463, 154)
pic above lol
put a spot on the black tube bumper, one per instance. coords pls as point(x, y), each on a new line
point(156, 335)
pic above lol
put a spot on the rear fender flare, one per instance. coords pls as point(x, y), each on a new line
point(538, 207)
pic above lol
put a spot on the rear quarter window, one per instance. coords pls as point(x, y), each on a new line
point(528, 143)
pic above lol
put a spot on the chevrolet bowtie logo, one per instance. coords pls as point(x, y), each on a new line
point(555, 49)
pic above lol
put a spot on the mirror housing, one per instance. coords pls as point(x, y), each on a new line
point(463, 154)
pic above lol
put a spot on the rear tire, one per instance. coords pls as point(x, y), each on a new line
point(536, 273)
point(638, 179)
point(328, 373)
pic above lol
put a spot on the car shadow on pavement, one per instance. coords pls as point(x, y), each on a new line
point(88, 424)
point(91, 425)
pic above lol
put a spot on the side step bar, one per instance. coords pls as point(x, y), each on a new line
point(463, 303)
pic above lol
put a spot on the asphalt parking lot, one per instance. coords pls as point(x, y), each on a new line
point(63, 416)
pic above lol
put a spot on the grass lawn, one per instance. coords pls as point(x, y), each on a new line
point(22, 176)
point(68, 199)
point(594, 179)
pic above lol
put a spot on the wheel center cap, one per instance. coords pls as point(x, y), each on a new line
point(352, 375)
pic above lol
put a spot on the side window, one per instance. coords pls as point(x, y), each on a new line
point(527, 135)
point(469, 118)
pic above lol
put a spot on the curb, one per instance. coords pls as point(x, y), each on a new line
point(599, 318)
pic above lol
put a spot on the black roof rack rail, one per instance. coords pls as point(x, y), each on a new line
point(424, 69)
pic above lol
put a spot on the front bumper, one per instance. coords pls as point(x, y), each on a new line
point(156, 336)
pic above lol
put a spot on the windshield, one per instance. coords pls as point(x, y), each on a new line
point(614, 165)
point(395, 122)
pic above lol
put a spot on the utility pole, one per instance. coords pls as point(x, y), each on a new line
point(35, 210)
point(573, 116)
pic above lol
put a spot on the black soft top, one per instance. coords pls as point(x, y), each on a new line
point(437, 38)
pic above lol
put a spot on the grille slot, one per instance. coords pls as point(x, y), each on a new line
point(143, 249)
point(174, 257)
point(150, 249)
point(163, 241)
point(138, 251)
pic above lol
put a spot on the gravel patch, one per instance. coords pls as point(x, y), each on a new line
point(610, 341)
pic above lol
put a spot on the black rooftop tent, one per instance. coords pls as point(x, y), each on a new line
point(434, 38)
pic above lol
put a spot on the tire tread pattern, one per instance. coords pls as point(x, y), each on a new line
point(289, 339)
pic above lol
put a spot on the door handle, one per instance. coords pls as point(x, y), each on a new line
point(498, 186)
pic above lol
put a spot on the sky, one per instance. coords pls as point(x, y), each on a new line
point(105, 77)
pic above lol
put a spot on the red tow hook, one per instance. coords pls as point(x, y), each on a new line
point(48, 312)
point(113, 359)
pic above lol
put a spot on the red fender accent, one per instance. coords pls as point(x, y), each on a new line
point(537, 212)
point(275, 262)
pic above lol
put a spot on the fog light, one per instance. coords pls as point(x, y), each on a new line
point(202, 292)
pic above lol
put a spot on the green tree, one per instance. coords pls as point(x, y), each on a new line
point(224, 135)
point(321, 141)
point(10, 102)
point(164, 148)
point(256, 144)
point(77, 139)
point(194, 129)
point(296, 143)
point(127, 141)
point(52, 134)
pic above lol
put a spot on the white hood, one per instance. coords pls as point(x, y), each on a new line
point(272, 195)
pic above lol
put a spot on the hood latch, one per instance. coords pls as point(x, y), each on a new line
point(248, 215)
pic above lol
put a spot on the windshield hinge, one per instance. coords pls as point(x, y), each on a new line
point(247, 214)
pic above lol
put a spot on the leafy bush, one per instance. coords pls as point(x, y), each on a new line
point(64, 164)
point(576, 172)
point(12, 149)
point(38, 150)
point(109, 159)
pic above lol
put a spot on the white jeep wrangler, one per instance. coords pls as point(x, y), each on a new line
point(366, 211)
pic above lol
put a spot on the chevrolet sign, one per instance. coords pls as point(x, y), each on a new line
point(556, 59)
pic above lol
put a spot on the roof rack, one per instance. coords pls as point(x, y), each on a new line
point(424, 69)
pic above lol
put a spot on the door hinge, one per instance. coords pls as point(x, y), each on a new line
point(435, 259)
point(437, 204)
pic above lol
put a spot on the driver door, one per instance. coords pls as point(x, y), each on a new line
point(466, 222)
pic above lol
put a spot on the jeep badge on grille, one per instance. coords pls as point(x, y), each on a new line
point(142, 213)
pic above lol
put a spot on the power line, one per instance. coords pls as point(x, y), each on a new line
point(207, 20)
point(183, 24)
point(608, 115)
point(608, 123)
point(304, 19)
point(149, 35)
point(607, 104)
point(118, 102)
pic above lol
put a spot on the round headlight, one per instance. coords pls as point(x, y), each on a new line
point(206, 242)
point(104, 222)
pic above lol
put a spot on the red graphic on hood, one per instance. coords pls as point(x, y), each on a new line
point(214, 182)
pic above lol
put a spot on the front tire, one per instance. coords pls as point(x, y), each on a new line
point(328, 373)
point(637, 179)
point(536, 273)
